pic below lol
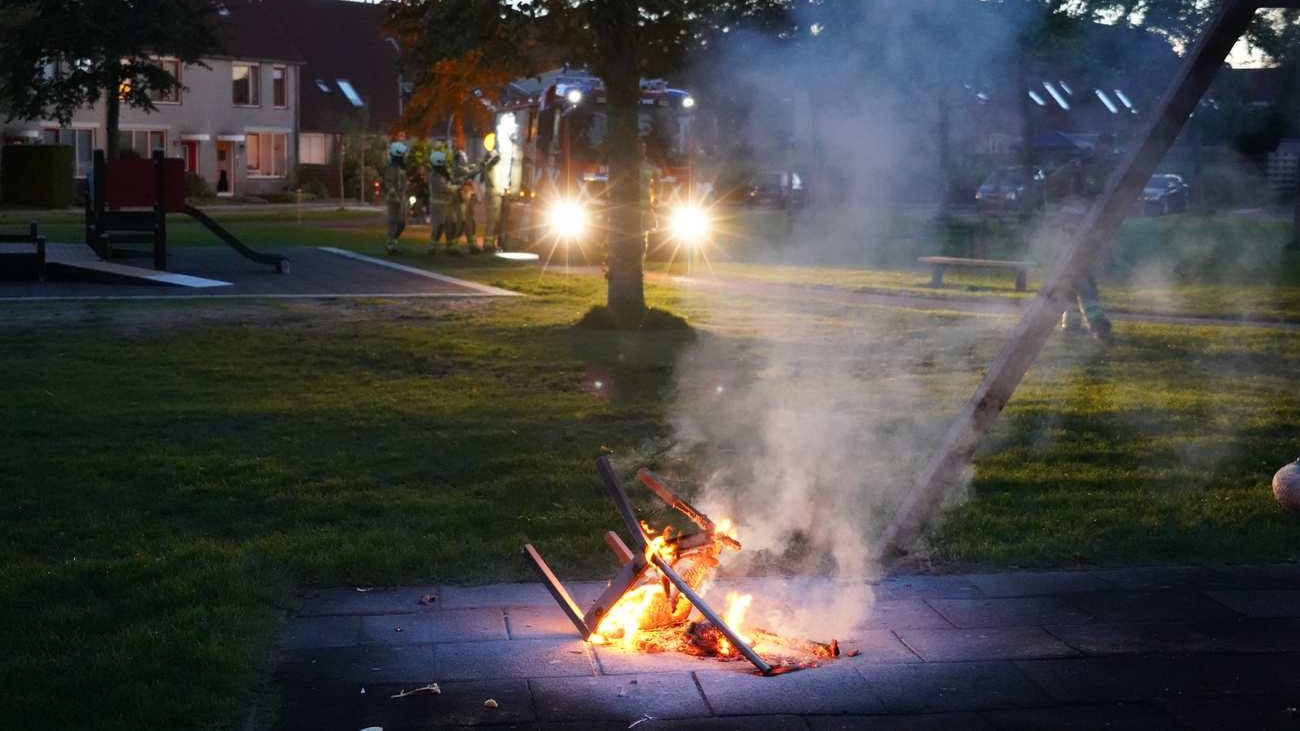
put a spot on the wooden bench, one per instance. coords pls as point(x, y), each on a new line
point(939, 263)
point(23, 255)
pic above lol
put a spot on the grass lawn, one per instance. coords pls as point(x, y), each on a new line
point(175, 471)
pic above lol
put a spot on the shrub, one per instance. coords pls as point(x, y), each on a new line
point(316, 188)
point(40, 175)
point(196, 188)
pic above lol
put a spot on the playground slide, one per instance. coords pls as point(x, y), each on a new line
point(281, 263)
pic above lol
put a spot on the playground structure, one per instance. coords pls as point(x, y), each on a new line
point(128, 202)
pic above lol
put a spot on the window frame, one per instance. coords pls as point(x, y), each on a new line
point(260, 145)
point(69, 136)
point(254, 78)
point(283, 91)
point(173, 66)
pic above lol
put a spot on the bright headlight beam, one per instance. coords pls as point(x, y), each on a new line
point(574, 96)
point(567, 219)
point(688, 102)
point(689, 225)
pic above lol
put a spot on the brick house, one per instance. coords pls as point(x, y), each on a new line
point(235, 123)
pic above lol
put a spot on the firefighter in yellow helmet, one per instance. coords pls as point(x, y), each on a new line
point(440, 200)
point(394, 184)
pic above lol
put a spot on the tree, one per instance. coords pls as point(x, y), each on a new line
point(621, 41)
point(57, 56)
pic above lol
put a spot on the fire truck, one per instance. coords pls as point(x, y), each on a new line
point(552, 139)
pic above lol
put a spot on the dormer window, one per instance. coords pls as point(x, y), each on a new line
point(345, 86)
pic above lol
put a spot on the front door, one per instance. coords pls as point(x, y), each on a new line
point(191, 156)
point(225, 168)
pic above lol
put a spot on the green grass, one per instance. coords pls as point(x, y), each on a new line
point(173, 472)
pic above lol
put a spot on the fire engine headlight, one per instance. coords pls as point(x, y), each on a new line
point(567, 219)
point(689, 224)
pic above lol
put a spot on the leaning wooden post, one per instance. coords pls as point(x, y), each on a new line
point(1095, 232)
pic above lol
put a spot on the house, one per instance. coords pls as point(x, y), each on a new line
point(296, 79)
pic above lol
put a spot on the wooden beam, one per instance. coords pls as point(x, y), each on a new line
point(1104, 217)
point(620, 549)
point(553, 585)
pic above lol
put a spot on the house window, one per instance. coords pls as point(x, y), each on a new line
point(169, 95)
point(142, 141)
point(279, 87)
point(81, 140)
point(245, 80)
point(354, 98)
point(267, 153)
point(312, 149)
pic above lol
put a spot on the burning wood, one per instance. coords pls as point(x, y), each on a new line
point(651, 602)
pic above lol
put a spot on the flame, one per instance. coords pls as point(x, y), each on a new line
point(734, 616)
point(624, 619)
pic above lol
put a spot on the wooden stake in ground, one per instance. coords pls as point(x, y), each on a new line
point(1098, 227)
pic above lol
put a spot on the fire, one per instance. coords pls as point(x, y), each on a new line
point(625, 618)
point(734, 616)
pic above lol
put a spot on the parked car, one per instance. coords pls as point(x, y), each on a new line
point(1011, 191)
point(776, 189)
point(1165, 193)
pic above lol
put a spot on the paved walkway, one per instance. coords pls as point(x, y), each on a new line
point(315, 272)
point(1142, 648)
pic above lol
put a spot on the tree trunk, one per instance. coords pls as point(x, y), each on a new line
point(620, 50)
point(112, 118)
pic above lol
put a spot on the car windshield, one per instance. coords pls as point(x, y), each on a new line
point(1162, 181)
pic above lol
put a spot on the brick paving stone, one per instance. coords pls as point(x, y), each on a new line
point(1276, 576)
point(1239, 712)
point(991, 643)
point(511, 659)
point(536, 623)
point(1151, 578)
point(1113, 638)
point(919, 722)
point(316, 706)
point(1009, 612)
point(925, 587)
point(397, 600)
point(515, 595)
point(1151, 606)
point(1260, 603)
point(730, 723)
point(1134, 716)
point(614, 660)
point(876, 645)
point(827, 689)
point(1035, 583)
point(459, 704)
point(951, 686)
point(1255, 635)
point(1138, 678)
point(448, 625)
point(903, 614)
point(626, 698)
point(306, 633)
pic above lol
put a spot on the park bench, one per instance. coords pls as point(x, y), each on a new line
point(939, 263)
point(22, 256)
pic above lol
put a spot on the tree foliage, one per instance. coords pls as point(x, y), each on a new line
point(57, 56)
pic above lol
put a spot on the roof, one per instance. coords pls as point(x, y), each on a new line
point(246, 32)
point(349, 68)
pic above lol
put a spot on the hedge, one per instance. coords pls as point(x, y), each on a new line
point(39, 176)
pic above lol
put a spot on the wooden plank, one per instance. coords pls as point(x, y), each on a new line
point(621, 552)
point(626, 578)
point(553, 585)
point(1007, 370)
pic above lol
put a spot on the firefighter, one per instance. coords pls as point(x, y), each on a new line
point(491, 203)
point(440, 200)
point(462, 178)
point(394, 183)
point(1086, 310)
